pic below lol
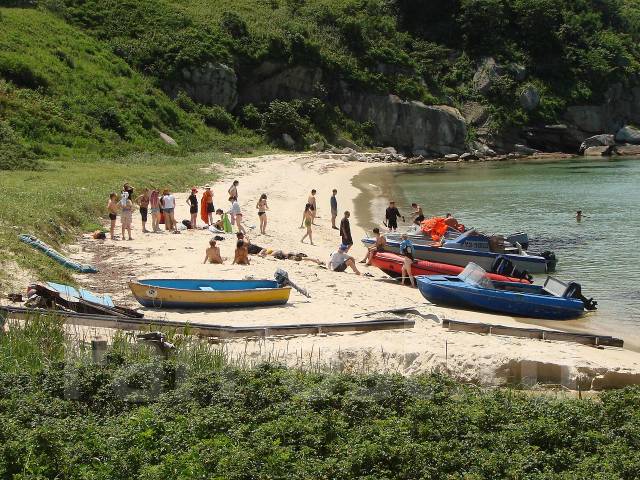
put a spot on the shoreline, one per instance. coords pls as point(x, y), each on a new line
point(336, 297)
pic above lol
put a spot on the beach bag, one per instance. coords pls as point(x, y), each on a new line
point(227, 224)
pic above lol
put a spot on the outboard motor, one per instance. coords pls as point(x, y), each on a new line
point(503, 266)
point(552, 261)
point(282, 277)
point(574, 290)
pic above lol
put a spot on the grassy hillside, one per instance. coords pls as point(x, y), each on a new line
point(64, 94)
point(135, 416)
point(425, 50)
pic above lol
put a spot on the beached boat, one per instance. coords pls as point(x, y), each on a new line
point(391, 264)
point(472, 246)
point(173, 293)
point(554, 300)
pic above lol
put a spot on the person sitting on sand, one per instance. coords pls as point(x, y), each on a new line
point(112, 208)
point(212, 255)
point(252, 249)
point(406, 250)
point(219, 224)
point(378, 246)
point(339, 261)
point(417, 212)
point(241, 256)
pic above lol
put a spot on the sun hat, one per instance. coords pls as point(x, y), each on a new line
point(207, 186)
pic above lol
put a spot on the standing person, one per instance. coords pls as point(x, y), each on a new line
point(262, 213)
point(233, 190)
point(307, 220)
point(379, 246)
point(339, 261)
point(126, 206)
point(417, 212)
point(345, 230)
point(314, 207)
point(579, 216)
point(169, 208)
point(236, 214)
point(143, 204)
point(212, 254)
point(112, 208)
point(406, 250)
point(206, 207)
point(391, 217)
point(334, 209)
point(129, 189)
point(192, 201)
point(154, 207)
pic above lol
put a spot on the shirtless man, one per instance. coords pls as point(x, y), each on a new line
point(212, 254)
point(417, 211)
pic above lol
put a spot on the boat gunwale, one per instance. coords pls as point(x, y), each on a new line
point(278, 288)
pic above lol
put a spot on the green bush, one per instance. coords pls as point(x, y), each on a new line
point(16, 70)
point(217, 117)
point(13, 154)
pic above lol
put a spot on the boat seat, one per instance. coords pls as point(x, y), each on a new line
point(206, 289)
point(555, 287)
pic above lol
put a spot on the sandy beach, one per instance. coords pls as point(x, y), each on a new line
point(335, 297)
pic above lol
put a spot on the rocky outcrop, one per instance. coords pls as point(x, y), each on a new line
point(271, 81)
point(628, 134)
point(606, 151)
point(475, 113)
point(209, 84)
point(602, 140)
point(409, 126)
point(486, 74)
point(555, 138)
point(529, 98)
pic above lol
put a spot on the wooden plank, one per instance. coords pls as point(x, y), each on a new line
point(535, 333)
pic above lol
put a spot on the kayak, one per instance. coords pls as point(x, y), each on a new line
point(391, 264)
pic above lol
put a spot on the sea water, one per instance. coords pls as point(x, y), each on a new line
point(601, 252)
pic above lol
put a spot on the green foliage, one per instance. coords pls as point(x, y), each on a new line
point(134, 415)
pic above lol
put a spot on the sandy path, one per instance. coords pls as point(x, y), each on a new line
point(287, 180)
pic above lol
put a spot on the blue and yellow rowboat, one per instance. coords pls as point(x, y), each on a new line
point(173, 293)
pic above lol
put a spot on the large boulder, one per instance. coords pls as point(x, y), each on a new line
point(599, 151)
point(486, 74)
point(628, 134)
point(588, 118)
point(209, 84)
point(475, 113)
point(408, 125)
point(603, 140)
point(271, 81)
point(555, 138)
point(529, 98)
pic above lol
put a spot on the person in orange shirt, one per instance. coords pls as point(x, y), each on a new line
point(206, 206)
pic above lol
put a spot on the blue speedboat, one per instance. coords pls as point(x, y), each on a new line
point(554, 300)
point(472, 246)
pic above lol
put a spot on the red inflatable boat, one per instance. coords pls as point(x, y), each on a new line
point(391, 264)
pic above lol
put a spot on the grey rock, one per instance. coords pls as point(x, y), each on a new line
point(628, 134)
point(588, 118)
point(344, 142)
point(347, 151)
point(317, 147)
point(281, 83)
point(555, 138)
point(519, 71)
point(408, 125)
point(452, 157)
point(598, 151)
point(628, 150)
point(465, 157)
point(389, 150)
point(209, 84)
point(288, 140)
point(486, 74)
point(524, 150)
point(475, 113)
point(529, 98)
point(597, 141)
point(167, 139)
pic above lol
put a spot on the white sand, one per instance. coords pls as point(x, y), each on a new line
point(287, 180)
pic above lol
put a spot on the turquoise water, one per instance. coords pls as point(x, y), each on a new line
point(602, 252)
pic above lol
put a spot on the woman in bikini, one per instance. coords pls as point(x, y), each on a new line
point(192, 201)
point(307, 219)
point(262, 213)
point(112, 208)
point(154, 208)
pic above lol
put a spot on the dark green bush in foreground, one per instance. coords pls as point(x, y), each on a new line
point(136, 416)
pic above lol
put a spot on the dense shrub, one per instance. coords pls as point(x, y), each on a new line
point(13, 153)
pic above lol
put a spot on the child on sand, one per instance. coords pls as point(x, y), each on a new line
point(262, 213)
point(154, 208)
point(192, 201)
point(112, 208)
point(143, 203)
point(126, 206)
point(212, 255)
point(307, 220)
